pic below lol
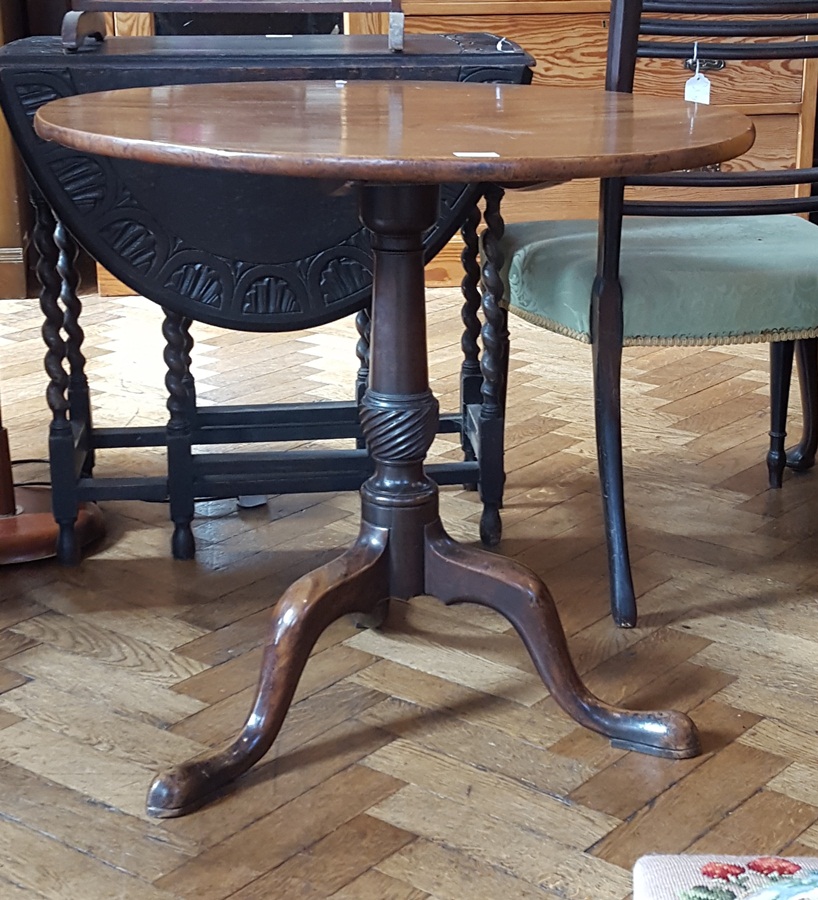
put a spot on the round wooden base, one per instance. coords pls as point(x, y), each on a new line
point(31, 533)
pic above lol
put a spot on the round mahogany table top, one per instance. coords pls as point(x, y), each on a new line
point(398, 131)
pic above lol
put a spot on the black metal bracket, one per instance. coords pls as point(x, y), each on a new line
point(83, 30)
point(705, 65)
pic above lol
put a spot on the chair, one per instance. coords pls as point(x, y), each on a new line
point(627, 279)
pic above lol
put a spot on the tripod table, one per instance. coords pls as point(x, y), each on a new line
point(396, 142)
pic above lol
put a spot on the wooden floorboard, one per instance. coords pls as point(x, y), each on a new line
point(425, 760)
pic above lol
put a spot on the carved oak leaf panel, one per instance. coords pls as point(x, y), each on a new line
point(270, 295)
point(197, 282)
point(342, 277)
point(82, 179)
point(340, 273)
point(33, 96)
point(133, 241)
point(33, 89)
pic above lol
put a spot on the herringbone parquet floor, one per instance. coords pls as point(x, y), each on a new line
point(425, 760)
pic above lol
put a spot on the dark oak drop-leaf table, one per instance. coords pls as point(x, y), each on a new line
point(398, 141)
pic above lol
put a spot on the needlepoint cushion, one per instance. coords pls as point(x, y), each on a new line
point(692, 877)
point(701, 281)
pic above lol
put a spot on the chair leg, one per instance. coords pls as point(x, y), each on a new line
point(781, 355)
point(802, 456)
point(607, 358)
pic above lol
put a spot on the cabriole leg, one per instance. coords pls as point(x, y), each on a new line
point(353, 583)
point(462, 574)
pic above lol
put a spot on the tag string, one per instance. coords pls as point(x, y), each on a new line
point(696, 55)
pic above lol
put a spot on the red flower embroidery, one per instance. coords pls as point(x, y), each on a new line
point(722, 870)
point(773, 865)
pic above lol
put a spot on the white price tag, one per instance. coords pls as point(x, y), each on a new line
point(697, 89)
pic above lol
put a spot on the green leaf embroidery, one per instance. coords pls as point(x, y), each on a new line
point(703, 892)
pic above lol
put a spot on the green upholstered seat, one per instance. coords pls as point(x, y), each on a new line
point(685, 281)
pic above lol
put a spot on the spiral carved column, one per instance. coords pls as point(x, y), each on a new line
point(495, 329)
point(494, 366)
point(50, 285)
point(60, 439)
point(363, 325)
point(399, 414)
point(187, 379)
point(179, 436)
point(470, 377)
point(399, 431)
point(79, 400)
point(26, 533)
